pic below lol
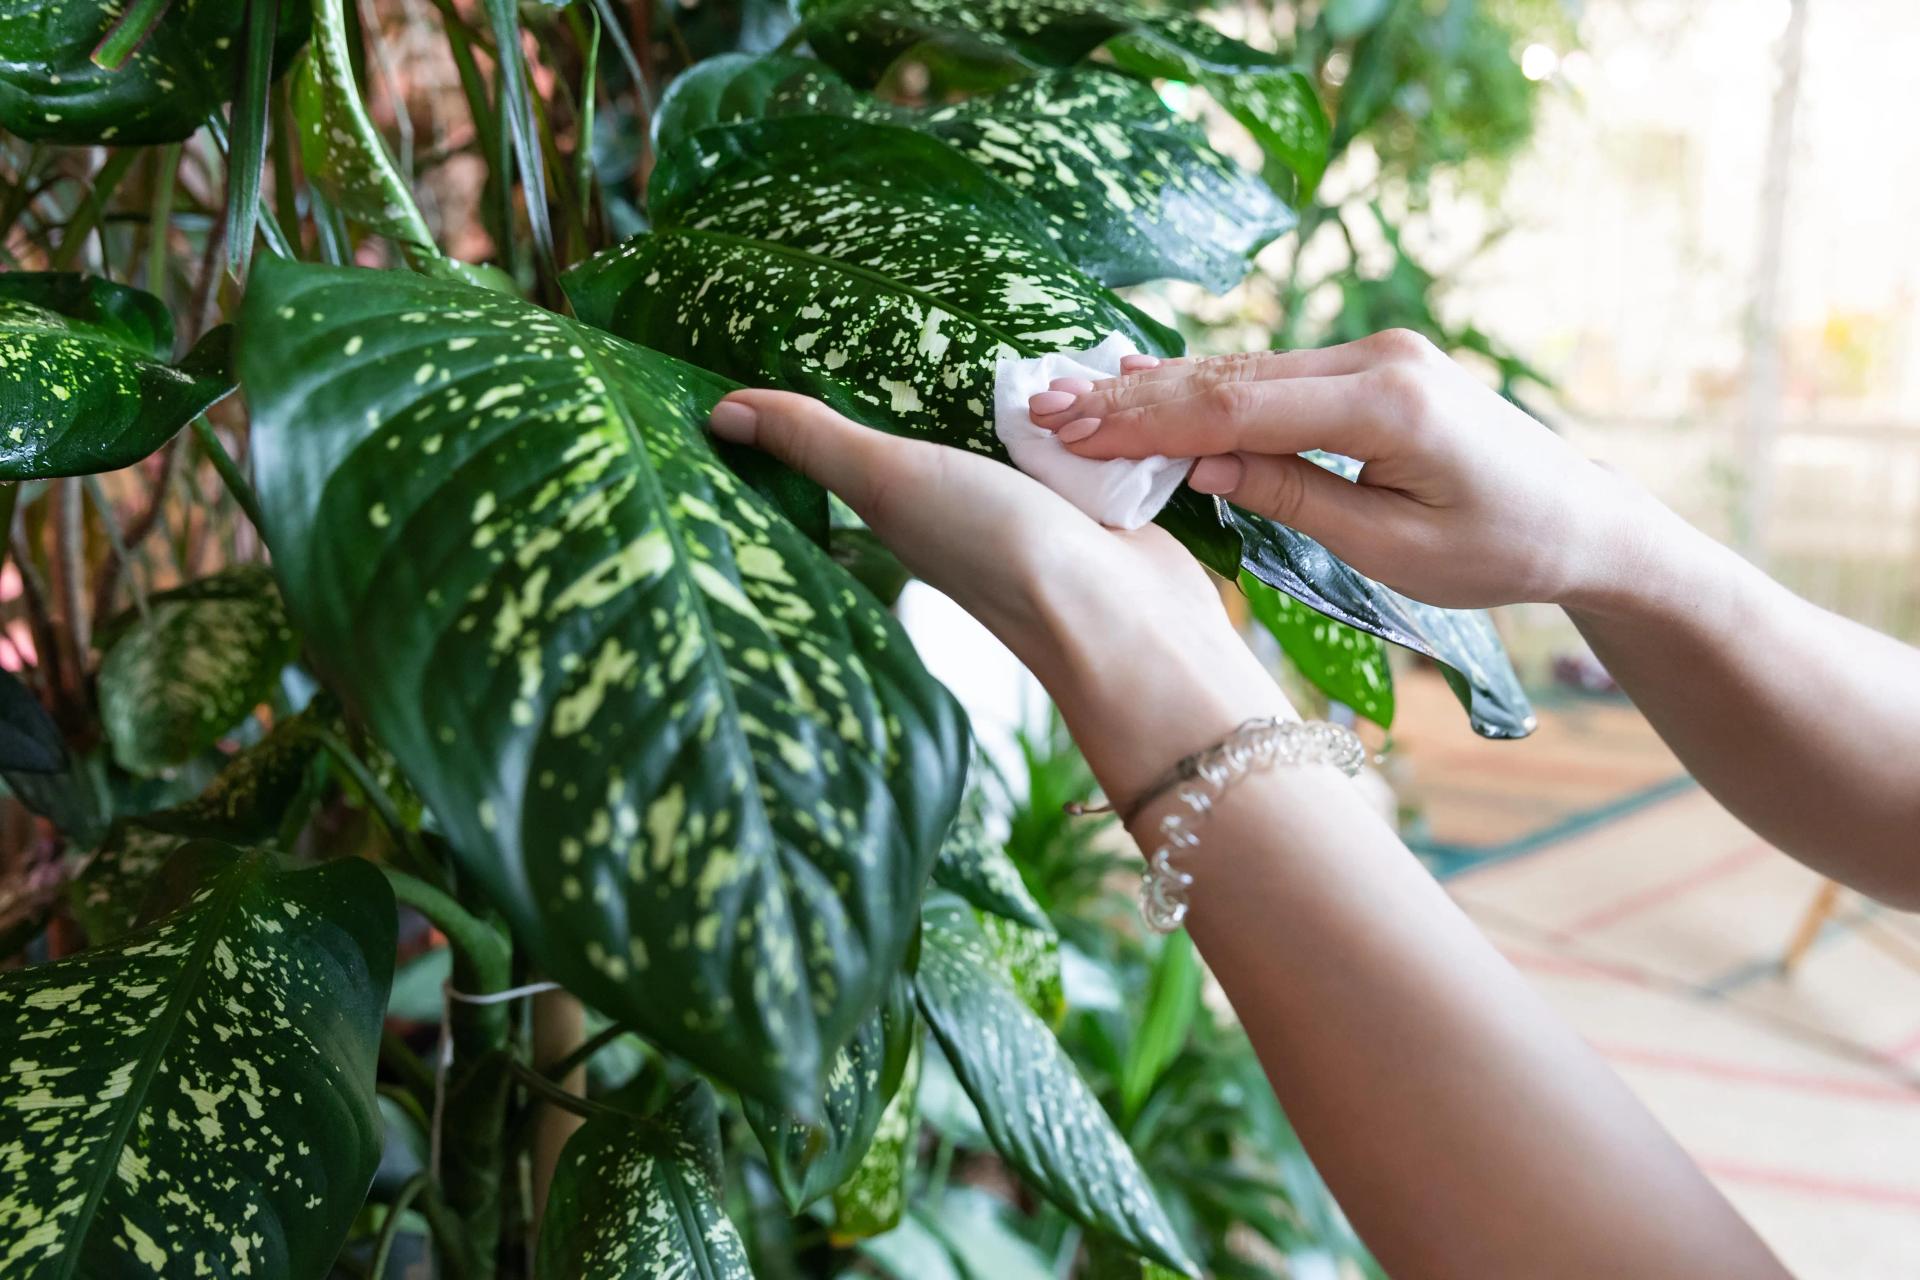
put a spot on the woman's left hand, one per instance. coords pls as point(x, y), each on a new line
point(1124, 628)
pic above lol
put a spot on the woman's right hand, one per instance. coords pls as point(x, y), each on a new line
point(1464, 501)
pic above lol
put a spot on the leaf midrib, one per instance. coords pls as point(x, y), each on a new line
point(186, 984)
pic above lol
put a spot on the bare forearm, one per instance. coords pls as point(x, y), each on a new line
point(1804, 724)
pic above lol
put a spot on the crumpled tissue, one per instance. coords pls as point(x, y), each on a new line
point(1124, 493)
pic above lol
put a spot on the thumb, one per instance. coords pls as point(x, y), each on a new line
point(814, 440)
point(1296, 492)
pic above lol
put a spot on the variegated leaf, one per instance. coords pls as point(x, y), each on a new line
point(1030, 958)
point(862, 263)
point(108, 895)
point(1346, 664)
point(185, 66)
point(1273, 100)
point(1039, 1114)
point(640, 1200)
point(874, 1196)
point(1127, 190)
point(29, 740)
point(702, 773)
point(204, 655)
point(975, 865)
point(808, 1159)
point(197, 1099)
point(87, 381)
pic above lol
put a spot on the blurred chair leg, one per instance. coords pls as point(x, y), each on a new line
point(1821, 910)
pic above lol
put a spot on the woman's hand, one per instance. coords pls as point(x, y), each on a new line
point(1464, 500)
point(1125, 629)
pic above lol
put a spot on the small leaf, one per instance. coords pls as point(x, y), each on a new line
point(1038, 1113)
point(200, 1095)
point(1173, 999)
point(808, 1160)
point(109, 895)
point(29, 740)
point(871, 1200)
point(51, 90)
point(204, 656)
point(86, 382)
point(975, 865)
point(700, 771)
point(638, 1199)
point(247, 148)
point(1348, 665)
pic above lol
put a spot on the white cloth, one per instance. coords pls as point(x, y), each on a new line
point(1122, 492)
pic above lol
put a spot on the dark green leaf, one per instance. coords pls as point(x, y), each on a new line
point(51, 90)
point(872, 1198)
point(86, 382)
point(1040, 1115)
point(1348, 666)
point(872, 565)
point(1173, 998)
point(109, 895)
point(1274, 101)
point(29, 740)
point(248, 801)
point(808, 1160)
point(700, 771)
point(175, 680)
point(199, 1096)
point(514, 100)
point(975, 865)
point(640, 1199)
point(247, 148)
point(1127, 190)
point(1463, 642)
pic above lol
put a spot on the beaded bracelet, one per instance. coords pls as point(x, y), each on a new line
point(1199, 780)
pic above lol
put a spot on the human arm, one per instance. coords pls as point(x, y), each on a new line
point(1467, 1132)
point(1804, 724)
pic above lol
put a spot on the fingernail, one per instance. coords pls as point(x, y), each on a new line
point(1218, 474)
point(1134, 364)
point(1078, 429)
point(733, 421)
point(1050, 402)
point(1078, 386)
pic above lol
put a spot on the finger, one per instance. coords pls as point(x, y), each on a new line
point(1355, 414)
point(814, 440)
point(1299, 494)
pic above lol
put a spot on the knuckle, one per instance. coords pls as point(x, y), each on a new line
point(1227, 401)
point(1403, 344)
point(1401, 393)
point(1236, 366)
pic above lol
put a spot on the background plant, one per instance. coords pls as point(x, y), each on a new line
point(707, 949)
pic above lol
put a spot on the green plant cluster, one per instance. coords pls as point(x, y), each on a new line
point(448, 686)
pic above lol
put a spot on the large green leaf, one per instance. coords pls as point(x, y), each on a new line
point(198, 1098)
point(862, 263)
point(640, 1199)
point(810, 1159)
point(52, 90)
point(1127, 190)
point(177, 678)
point(1038, 1113)
point(874, 268)
point(872, 1198)
point(86, 382)
point(1275, 101)
point(1346, 664)
point(702, 773)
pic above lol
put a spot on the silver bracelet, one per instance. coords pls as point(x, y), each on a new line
point(1199, 781)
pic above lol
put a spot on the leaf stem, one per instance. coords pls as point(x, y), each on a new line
point(478, 942)
point(141, 18)
point(389, 1229)
point(237, 484)
point(554, 1095)
point(584, 1051)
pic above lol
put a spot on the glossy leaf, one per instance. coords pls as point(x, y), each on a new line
point(29, 740)
point(87, 381)
point(1038, 1113)
point(199, 1097)
point(52, 90)
point(1347, 665)
point(1463, 642)
point(1030, 959)
point(1127, 191)
point(862, 263)
point(700, 771)
point(639, 1199)
point(975, 865)
point(109, 895)
point(873, 1197)
point(808, 1160)
point(1273, 100)
point(172, 682)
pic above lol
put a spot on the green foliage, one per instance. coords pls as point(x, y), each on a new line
point(1346, 664)
point(131, 1117)
point(701, 772)
point(636, 1199)
point(975, 865)
point(86, 379)
point(79, 72)
point(179, 676)
point(29, 739)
